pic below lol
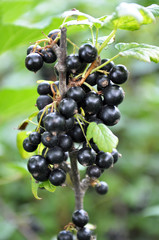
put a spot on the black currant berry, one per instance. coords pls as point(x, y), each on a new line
point(86, 156)
point(68, 107)
point(48, 55)
point(43, 100)
point(104, 160)
point(65, 142)
point(41, 115)
point(93, 171)
point(76, 93)
point(53, 34)
point(73, 63)
point(102, 188)
point(93, 145)
point(57, 177)
point(65, 235)
point(102, 82)
point(113, 95)
point(35, 138)
point(93, 118)
point(87, 53)
point(33, 62)
point(91, 79)
point(80, 218)
point(76, 134)
point(118, 74)
point(110, 115)
point(28, 146)
point(30, 49)
point(38, 167)
point(49, 140)
point(55, 155)
point(108, 66)
point(44, 88)
point(70, 123)
point(92, 103)
point(115, 155)
point(84, 234)
point(54, 122)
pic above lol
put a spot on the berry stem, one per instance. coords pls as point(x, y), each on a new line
point(104, 44)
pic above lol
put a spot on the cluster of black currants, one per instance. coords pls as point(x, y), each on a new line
point(62, 123)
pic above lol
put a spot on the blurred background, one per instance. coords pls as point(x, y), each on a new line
point(131, 209)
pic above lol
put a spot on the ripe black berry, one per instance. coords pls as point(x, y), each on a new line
point(65, 142)
point(49, 140)
point(31, 48)
point(38, 167)
point(87, 53)
point(65, 235)
point(33, 62)
point(73, 63)
point(102, 188)
point(44, 88)
point(54, 122)
point(84, 234)
point(115, 155)
point(35, 138)
point(110, 115)
point(80, 218)
point(92, 103)
point(57, 177)
point(76, 134)
point(28, 146)
point(70, 123)
point(53, 34)
point(76, 93)
point(48, 55)
point(93, 145)
point(93, 171)
point(118, 74)
point(91, 79)
point(55, 155)
point(86, 156)
point(43, 100)
point(102, 82)
point(104, 160)
point(68, 107)
point(108, 66)
point(113, 95)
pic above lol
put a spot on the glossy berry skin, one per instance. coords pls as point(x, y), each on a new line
point(33, 62)
point(31, 47)
point(57, 177)
point(54, 122)
point(43, 100)
point(28, 146)
point(102, 82)
point(92, 118)
point(76, 134)
point(110, 115)
point(118, 74)
point(44, 88)
point(91, 79)
point(108, 66)
point(35, 138)
point(65, 142)
point(84, 234)
point(80, 218)
point(113, 95)
point(86, 156)
point(115, 155)
point(38, 167)
point(65, 235)
point(68, 107)
point(40, 113)
point(104, 160)
point(76, 93)
point(73, 63)
point(93, 145)
point(102, 188)
point(87, 53)
point(70, 123)
point(92, 103)
point(49, 140)
point(55, 155)
point(48, 55)
point(53, 34)
point(93, 171)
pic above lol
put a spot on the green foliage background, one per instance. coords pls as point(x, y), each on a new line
point(131, 209)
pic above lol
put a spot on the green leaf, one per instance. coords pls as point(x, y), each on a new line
point(103, 39)
point(142, 52)
point(23, 125)
point(151, 211)
point(129, 16)
point(154, 8)
point(102, 136)
point(48, 186)
point(34, 188)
